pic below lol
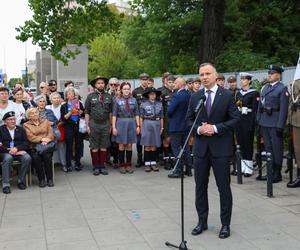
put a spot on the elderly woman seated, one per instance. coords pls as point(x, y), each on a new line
point(39, 132)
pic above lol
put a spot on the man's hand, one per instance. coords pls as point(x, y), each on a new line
point(13, 151)
point(206, 129)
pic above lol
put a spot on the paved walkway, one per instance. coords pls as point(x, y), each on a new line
point(141, 212)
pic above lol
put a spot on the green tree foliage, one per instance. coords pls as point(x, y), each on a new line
point(110, 57)
point(165, 34)
point(56, 23)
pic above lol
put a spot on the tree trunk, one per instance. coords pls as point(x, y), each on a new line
point(211, 41)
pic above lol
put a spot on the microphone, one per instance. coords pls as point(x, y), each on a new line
point(200, 103)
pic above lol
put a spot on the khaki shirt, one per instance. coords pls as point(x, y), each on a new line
point(99, 106)
point(294, 116)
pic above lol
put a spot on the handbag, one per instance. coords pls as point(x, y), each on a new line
point(45, 148)
point(82, 126)
point(62, 132)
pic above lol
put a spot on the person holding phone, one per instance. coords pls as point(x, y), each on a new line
point(71, 111)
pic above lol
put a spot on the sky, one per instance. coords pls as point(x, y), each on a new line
point(12, 52)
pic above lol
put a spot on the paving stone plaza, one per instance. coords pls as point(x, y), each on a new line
point(140, 212)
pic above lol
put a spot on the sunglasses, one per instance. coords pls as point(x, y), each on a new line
point(113, 84)
point(42, 87)
point(52, 84)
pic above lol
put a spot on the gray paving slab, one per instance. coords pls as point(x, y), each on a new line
point(141, 212)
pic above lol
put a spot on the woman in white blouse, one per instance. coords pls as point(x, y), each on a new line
point(59, 155)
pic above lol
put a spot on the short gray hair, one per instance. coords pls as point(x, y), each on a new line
point(28, 111)
point(54, 94)
point(113, 79)
point(68, 89)
point(39, 97)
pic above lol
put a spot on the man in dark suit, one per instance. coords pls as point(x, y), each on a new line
point(213, 146)
point(13, 146)
point(177, 110)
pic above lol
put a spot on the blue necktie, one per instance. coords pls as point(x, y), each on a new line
point(208, 102)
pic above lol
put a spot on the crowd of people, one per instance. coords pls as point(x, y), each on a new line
point(53, 125)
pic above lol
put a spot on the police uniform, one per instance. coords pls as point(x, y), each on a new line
point(98, 106)
point(271, 116)
point(137, 93)
point(247, 101)
point(151, 113)
point(294, 121)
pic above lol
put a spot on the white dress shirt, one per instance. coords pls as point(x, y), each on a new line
point(213, 93)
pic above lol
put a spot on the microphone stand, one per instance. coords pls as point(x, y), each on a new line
point(183, 245)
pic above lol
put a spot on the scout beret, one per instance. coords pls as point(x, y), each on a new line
point(221, 76)
point(8, 115)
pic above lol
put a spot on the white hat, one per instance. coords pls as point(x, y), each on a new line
point(246, 75)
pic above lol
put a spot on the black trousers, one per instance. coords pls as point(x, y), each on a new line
point(273, 144)
point(245, 138)
point(42, 164)
point(72, 135)
point(221, 170)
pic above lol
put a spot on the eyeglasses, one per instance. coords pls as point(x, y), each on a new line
point(52, 84)
point(113, 84)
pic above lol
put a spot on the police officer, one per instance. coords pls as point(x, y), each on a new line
point(137, 93)
point(294, 121)
point(247, 101)
point(272, 115)
point(167, 91)
point(98, 119)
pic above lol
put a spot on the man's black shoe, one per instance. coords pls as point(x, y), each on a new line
point(96, 171)
point(6, 190)
point(42, 184)
point(261, 178)
point(50, 183)
point(174, 175)
point(234, 173)
point(199, 229)
point(224, 232)
point(188, 173)
point(21, 186)
point(247, 175)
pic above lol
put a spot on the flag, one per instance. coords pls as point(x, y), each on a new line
point(297, 72)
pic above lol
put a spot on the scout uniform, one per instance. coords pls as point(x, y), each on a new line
point(151, 113)
point(247, 101)
point(98, 106)
point(294, 120)
point(271, 116)
point(137, 93)
point(166, 95)
point(125, 109)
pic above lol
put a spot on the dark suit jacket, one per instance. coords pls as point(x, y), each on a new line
point(224, 115)
point(20, 140)
point(177, 111)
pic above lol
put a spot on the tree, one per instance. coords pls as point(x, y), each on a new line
point(212, 30)
point(56, 23)
point(110, 57)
